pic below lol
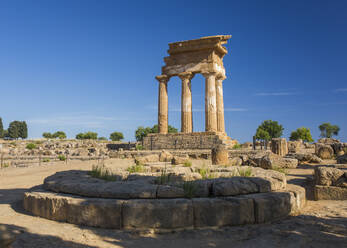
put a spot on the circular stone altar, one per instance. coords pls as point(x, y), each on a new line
point(176, 199)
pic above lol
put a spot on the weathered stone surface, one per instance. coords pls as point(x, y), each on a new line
point(271, 206)
point(218, 212)
point(233, 186)
point(166, 191)
point(306, 157)
point(161, 214)
point(76, 210)
point(299, 197)
point(220, 155)
point(179, 160)
point(165, 156)
point(324, 151)
point(272, 160)
point(279, 146)
point(342, 159)
point(327, 175)
point(329, 193)
point(80, 183)
point(237, 161)
point(147, 159)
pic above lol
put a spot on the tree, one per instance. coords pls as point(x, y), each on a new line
point(301, 133)
point(327, 130)
point(102, 138)
point(142, 132)
point(23, 130)
point(87, 135)
point(262, 134)
point(116, 136)
point(274, 129)
point(59, 134)
point(47, 135)
point(13, 129)
point(1, 129)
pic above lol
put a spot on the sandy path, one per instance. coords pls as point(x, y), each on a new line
point(322, 224)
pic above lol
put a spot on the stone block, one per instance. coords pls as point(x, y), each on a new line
point(327, 175)
point(279, 146)
point(218, 212)
point(329, 193)
point(220, 155)
point(158, 214)
point(233, 186)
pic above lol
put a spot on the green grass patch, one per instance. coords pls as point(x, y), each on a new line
point(102, 172)
point(61, 157)
point(245, 172)
point(187, 164)
point(45, 160)
point(31, 146)
point(189, 189)
point(137, 168)
point(139, 147)
point(237, 146)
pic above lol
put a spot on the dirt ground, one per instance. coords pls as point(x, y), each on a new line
point(321, 224)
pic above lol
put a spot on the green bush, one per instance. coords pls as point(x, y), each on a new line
point(139, 147)
point(61, 157)
point(237, 146)
point(31, 146)
point(116, 136)
point(45, 160)
point(137, 168)
point(187, 163)
point(87, 135)
point(245, 172)
point(102, 172)
point(301, 133)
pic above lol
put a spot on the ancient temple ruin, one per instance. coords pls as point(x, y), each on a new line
point(187, 58)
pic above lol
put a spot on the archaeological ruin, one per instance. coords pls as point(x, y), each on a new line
point(187, 58)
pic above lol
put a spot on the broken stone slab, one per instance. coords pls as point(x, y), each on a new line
point(217, 212)
point(329, 193)
point(158, 214)
point(147, 159)
point(324, 151)
point(327, 175)
point(233, 186)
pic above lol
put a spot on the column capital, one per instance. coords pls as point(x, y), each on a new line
point(162, 78)
point(186, 75)
point(209, 73)
point(221, 77)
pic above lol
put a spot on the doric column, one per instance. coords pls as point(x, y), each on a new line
point(163, 107)
point(210, 102)
point(220, 104)
point(186, 102)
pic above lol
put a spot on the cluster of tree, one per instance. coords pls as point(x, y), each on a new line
point(87, 135)
point(116, 136)
point(142, 132)
point(56, 135)
point(272, 129)
point(16, 129)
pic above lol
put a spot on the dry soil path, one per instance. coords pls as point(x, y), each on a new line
point(321, 224)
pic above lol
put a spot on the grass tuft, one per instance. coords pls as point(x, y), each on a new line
point(137, 168)
point(187, 164)
point(189, 188)
point(245, 172)
point(102, 172)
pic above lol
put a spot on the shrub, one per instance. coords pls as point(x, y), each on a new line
point(237, 146)
point(45, 160)
point(137, 168)
point(139, 147)
point(245, 172)
point(187, 164)
point(30, 146)
point(61, 157)
point(47, 135)
point(5, 165)
point(205, 173)
point(102, 172)
point(189, 189)
point(116, 136)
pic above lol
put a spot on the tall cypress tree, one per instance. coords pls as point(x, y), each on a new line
point(23, 130)
point(1, 129)
point(13, 129)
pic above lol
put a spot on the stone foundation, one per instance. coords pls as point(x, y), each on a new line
point(172, 141)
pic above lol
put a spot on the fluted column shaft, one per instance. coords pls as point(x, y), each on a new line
point(220, 104)
point(186, 103)
point(163, 107)
point(210, 102)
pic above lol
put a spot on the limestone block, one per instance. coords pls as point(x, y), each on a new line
point(329, 193)
point(167, 191)
point(233, 186)
point(271, 160)
point(159, 213)
point(227, 211)
point(165, 156)
point(327, 175)
point(179, 160)
point(279, 146)
point(271, 206)
point(147, 159)
point(324, 151)
point(220, 155)
point(300, 197)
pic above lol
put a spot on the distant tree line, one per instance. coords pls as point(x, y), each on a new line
point(115, 136)
point(15, 130)
point(142, 132)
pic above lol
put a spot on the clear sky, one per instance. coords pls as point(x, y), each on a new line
point(83, 65)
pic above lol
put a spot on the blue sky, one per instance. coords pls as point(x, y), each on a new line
point(90, 65)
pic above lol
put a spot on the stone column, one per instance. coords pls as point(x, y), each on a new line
point(220, 104)
point(210, 102)
point(163, 108)
point(186, 103)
